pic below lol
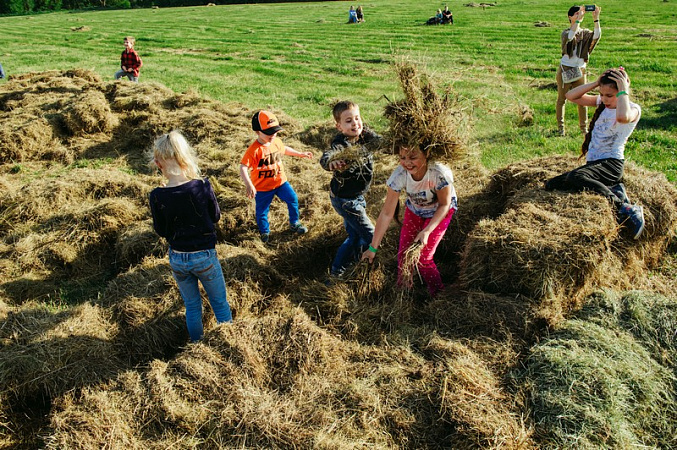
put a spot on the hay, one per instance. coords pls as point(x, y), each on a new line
point(409, 267)
point(426, 118)
point(89, 113)
point(594, 383)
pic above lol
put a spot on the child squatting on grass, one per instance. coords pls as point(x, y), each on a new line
point(614, 120)
point(184, 212)
point(264, 159)
point(431, 203)
point(130, 62)
point(351, 160)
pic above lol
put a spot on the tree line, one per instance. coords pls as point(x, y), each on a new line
point(32, 6)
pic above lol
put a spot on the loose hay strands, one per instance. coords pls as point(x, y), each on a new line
point(426, 118)
point(410, 260)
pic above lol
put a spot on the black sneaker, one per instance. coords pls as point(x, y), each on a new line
point(633, 216)
point(299, 228)
point(619, 191)
point(265, 237)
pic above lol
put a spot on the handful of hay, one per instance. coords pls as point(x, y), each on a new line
point(426, 118)
point(410, 260)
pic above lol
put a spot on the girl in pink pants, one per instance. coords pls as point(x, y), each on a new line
point(430, 205)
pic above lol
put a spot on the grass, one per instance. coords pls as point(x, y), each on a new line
point(303, 56)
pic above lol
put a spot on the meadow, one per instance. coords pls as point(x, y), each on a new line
point(299, 58)
point(556, 329)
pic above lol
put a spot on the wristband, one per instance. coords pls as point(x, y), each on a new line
point(596, 20)
point(578, 21)
point(621, 93)
point(372, 249)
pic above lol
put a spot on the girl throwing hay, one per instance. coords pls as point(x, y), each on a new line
point(614, 120)
point(184, 212)
point(430, 205)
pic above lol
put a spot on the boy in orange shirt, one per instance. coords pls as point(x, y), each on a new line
point(268, 179)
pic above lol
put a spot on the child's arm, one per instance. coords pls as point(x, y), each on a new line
point(326, 159)
point(580, 96)
point(384, 219)
point(444, 203)
point(291, 152)
point(244, 174)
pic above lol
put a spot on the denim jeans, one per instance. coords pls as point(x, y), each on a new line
point(287, 194)
point(202, 265)
point(121, 73)
point(360, 231)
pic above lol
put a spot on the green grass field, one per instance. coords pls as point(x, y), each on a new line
point(299, 57)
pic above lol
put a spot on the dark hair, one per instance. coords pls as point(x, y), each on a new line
point(607, 81)
point(573, 10)
point(342, 106)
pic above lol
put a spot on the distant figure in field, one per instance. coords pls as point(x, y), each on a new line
point(185, 212)
point(614, 120)
point(130, 62)
point(2, 72)
point(577, 44)
point(352, 15)
point(436, 19)
point(359, 13)
point(447, 16)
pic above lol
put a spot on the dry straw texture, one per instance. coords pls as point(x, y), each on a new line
point(93, 344)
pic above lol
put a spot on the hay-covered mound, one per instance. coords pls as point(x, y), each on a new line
point(555, 247)
point(281, 381)
point(428, 117)
point(606, 378)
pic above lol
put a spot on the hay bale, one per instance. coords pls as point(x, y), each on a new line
point(426, 118)
point(28, 137)
point(593, 383)
point(89, 113)
point(135, 242)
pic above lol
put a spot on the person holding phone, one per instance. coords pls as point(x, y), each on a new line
point(577, 44)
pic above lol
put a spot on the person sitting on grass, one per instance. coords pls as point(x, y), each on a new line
point(614, 120)
point(352, 15)
point(360, 14)
point(264, 159)
point(436, 19)
point(431, 203)
point(447, 16)
point(130, 62)
point(351, 160)
point(185, 212)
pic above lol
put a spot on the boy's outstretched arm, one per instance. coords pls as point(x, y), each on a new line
point(244, 174)
point(291, 152)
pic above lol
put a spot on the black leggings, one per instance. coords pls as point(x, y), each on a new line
point(595, 176)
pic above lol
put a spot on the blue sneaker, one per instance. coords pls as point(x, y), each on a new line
point(619, 191)
point(299, 228)
point(265, 237)
point(633, 217)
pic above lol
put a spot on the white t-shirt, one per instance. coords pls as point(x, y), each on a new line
point(422, 195)
point(608, 136)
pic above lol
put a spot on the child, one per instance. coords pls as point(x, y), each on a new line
point(264, 159)
point(577, 43)
point(430, 205)
point(352, 15)
point(614, 120)
point(2, 72)
point(184, 212)
point(130, 62)
point(359, 13)
point(350, 181)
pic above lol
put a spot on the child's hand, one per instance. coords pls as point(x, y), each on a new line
point(337, 165)
point(368, 255)
point(621, 78)
point(595, 13)
point(306, 154)
point(251, 191)
point(422, 237)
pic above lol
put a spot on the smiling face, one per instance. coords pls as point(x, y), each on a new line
point(350, 123)
point(129, 44)
point(414, 162)
point(608, 93)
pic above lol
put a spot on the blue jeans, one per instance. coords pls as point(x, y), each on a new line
point(360, 231)
point(202, 265)
point(265, 198)
point(121, 73)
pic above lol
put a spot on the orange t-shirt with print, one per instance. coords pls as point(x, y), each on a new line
point(265, 162)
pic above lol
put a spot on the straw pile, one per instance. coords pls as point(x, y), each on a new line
point(427, 118)
point(606, 378)
point(555, 247)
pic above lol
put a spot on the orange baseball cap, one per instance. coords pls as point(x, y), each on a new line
point(266, 122)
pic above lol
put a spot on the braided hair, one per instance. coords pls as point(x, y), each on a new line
point(606, 80)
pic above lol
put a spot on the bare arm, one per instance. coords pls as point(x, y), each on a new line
point(384, 219)
point(580, 96)
point(244, 174)
point(291, 152)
